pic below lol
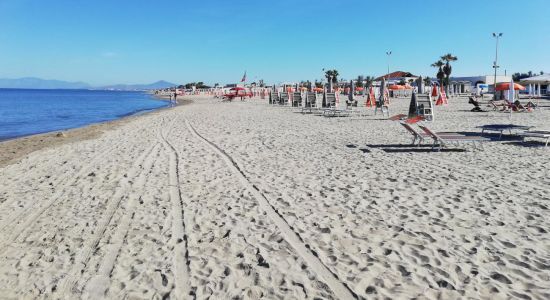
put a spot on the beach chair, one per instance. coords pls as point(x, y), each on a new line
point(310, 102)
point(501, 128)
point(476, 104)
point(296, 99)
point(499, 105)
point(332, 110)
point(283, 98)
point(420, 136)
point(540, 134)
point(273, 98)
point(440, 140)
point(329, 100)
point(424, 107)
point(417, 136)
point(397, 117)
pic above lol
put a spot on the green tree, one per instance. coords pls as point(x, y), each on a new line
point(332, 74)
point(360, 80)
point(440, 74)
point(369, 80)
point(427, 81)
point(447, 68)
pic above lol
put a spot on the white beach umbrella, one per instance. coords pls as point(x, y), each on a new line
point(511, 96)
point(511, 92)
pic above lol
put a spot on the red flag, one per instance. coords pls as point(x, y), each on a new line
point(244, 77)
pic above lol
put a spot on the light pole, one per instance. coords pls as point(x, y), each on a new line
point(495, 65)
point(388, 53)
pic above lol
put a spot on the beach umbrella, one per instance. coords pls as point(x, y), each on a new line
point(442, 97)
point(511, 92)
point(413, 106)
point(381, 97)
point(395, 87)
point(420, 85)
point(506, 86)
point(352, 88)
point(434, 91)
point(359, 89)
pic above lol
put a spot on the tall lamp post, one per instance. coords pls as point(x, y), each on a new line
point(388, 53)
point(495, 64)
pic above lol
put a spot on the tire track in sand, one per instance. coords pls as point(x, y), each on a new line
point(97, 286)
point(180, 265)
point(340, 289)
point(67, 284)
point(13, 221)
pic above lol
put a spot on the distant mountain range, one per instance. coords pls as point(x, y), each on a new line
point(38, 83)
point(152, 86)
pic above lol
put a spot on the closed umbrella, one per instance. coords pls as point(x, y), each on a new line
point(511, 92)
point(413, 111)
point(434, 91)
point(380, 101)
point(420, 85)
point(352, 89)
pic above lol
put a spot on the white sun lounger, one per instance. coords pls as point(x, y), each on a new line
point(442, 140)
point(540, 134)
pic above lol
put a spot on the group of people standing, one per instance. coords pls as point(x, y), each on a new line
point(173, 99)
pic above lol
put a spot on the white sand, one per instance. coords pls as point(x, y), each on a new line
point(246, 200)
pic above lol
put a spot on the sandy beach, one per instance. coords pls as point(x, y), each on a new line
point(243, 200)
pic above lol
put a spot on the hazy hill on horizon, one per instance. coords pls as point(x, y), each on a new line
point(39, 83)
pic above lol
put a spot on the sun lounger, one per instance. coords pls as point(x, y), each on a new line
point(424, 107)
point(331, 110)
point(296, 99)
point(420, 135)
point(273, 98)
point(502, 127)
point(540, 134)
point(397, 117)
point(440, 140)
point(476, 104)
point(283, 98)
point(310, 102)
point(500, 105)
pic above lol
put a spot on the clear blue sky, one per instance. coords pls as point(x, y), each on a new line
point(141, 41)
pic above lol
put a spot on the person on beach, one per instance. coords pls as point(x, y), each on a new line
point(175, 98)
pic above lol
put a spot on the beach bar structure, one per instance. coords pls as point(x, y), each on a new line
point(537, 85)
point(462, 83)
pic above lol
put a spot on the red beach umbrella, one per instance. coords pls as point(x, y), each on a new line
point(434, 91)
point(506, 86)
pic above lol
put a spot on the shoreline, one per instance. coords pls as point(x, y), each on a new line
point(13, 149)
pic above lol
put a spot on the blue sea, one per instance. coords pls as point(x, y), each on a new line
point(26, 112)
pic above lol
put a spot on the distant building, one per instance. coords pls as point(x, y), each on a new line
point(397, 76)
point(469, 83)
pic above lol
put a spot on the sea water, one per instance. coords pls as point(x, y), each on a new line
point(26, 112)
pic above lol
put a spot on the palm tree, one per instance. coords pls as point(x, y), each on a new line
point(360, 80)
point(447, 68)
point(369, 80)
point(427, 81)
point(332, 74)
point(440, 74)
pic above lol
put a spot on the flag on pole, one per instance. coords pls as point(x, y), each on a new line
point(244, 77)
